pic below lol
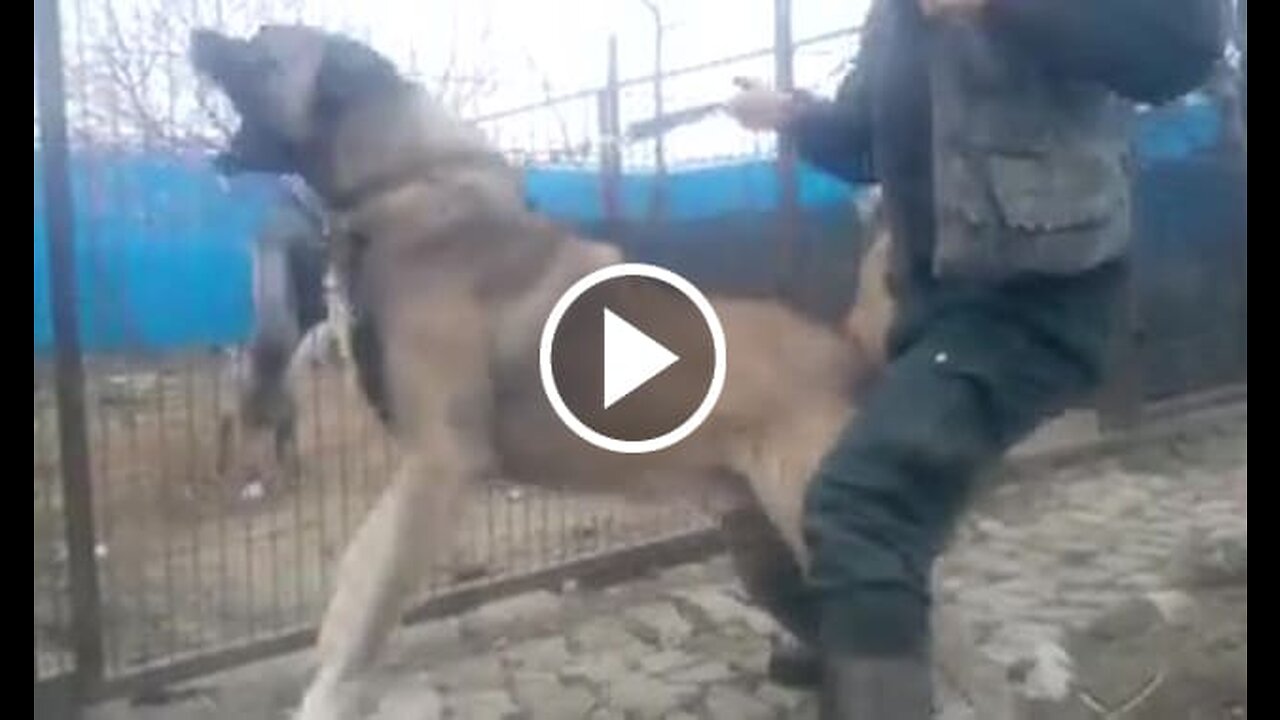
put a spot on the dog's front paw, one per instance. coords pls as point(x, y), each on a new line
point(330, 701)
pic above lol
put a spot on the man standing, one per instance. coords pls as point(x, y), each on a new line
point(996, 129)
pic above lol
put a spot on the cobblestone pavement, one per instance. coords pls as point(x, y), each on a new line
point(1040, 555)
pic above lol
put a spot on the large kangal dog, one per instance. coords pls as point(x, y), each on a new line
point(451, 279)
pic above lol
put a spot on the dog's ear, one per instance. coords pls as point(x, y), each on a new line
point(349, 72)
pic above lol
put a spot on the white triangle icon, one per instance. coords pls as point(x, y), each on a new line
point(631, 358)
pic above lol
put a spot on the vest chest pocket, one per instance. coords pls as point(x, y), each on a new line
point(1029, 172)
point(1044, 211)
point(1055, 191)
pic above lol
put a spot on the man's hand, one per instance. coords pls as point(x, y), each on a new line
point(942, 8)
point(758, 107)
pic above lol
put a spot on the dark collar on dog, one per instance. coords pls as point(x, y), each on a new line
point(346, 200)
point(424, 171)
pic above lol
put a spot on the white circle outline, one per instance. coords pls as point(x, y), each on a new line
point(579, 428)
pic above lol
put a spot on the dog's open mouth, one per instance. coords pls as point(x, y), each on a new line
point(252, 150)
point(233, 66)
point(208, 51)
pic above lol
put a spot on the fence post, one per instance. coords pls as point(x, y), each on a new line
point(610, 141)
point(1242, 38)
point(1240, 24)
point(658, 197)
point(788, 191)
point(1241, 33)
point(73, 441)
point(1119, 405)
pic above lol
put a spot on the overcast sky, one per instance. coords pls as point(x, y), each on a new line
point(524, 50)
point(527, 50)
point(533, 48)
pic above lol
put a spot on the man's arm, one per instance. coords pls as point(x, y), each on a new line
point(835, 136)
point(1146, 50)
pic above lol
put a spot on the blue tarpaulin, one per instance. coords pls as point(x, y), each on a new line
point(163, 245)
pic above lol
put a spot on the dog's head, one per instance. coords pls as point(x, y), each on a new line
point(288, 83)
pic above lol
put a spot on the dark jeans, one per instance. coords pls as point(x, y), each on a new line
point(973, 372)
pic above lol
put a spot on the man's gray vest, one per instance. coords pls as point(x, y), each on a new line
point(1030, 172)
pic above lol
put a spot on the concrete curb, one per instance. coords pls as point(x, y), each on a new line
point(1076, 438)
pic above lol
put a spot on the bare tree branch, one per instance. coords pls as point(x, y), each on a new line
point(129, 81)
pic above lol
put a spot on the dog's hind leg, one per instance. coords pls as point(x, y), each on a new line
point(778, 467)
point(769, 571)
point(764, 537)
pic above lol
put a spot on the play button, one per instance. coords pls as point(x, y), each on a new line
point(632, 358)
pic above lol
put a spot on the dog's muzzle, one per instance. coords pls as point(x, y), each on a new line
point(217, 55)
point(233, 64)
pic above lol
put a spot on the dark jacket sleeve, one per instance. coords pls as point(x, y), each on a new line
point(835, 135)
point(1148, 51)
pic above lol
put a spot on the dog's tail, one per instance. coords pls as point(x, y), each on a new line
point(870, 319)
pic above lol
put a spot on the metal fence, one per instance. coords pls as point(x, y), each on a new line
point(151, 564)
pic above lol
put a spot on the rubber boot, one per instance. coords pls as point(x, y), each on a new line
point(876, 688)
